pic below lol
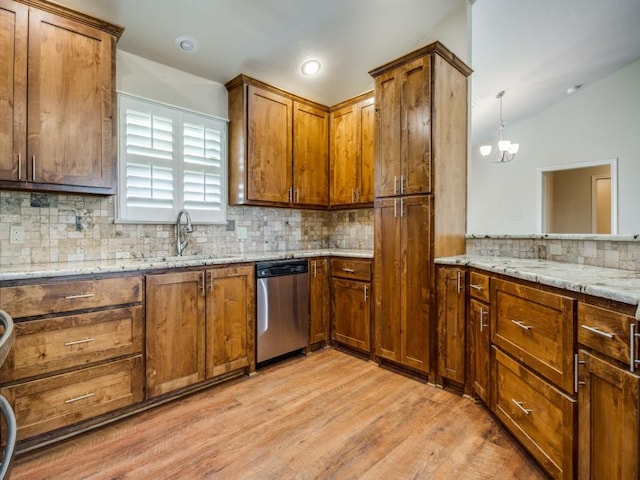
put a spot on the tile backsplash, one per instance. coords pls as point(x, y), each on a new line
point(621, 252)
point(60, 228)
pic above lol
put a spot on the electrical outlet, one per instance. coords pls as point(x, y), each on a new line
point(16, 234)
point(241, 232)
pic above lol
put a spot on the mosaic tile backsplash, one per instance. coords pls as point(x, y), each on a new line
point(60, 228)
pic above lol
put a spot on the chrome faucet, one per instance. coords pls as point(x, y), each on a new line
point(182, 231)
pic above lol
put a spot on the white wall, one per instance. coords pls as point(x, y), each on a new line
point(138, 76)
point(454, 32)
point(601, 121)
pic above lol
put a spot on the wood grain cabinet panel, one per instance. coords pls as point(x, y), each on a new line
point(48, 345)
point(537, 327)
point(230, 317)
point(402, 280)
point(319, 300)
point(175, 331)
point(350, 268)
point(310, 155)
point(352, 131)
point(606, 331)
point(451, 323)
point(13, 90)
point(537, 413)
point(61, 112)
point(608, 420)
point(57, 401)
point(479, 286)
point(478, 330)
point(350, 306)
point(66, 296)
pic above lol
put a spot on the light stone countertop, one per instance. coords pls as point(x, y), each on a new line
point(50, 270)
point(610, 283)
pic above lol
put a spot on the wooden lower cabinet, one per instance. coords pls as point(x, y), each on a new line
point(60, 400)
point(319, 292)
point(200, 324)
point(608, 420)
point(451, 321)
point(479, 347)
point(540, 416)
point(351, 313)
point(230, 317)
point(175, 335)
point(403, 281)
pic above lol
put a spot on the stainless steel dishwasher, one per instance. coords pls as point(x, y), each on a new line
point(282, 308)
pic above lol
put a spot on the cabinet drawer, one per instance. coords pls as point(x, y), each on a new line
point(605, 331)
point(42, 299)
point(479, 286)
point(54, 402)
point(537, 413)
point(537, 327)
point(48, 345)
point(354, 269)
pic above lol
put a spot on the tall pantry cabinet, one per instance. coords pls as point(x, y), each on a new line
point(420, 195)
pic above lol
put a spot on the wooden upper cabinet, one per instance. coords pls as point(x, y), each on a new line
point(352, 151)
point(403, 104)
point(269, 146)
point(278, 147)
point(13, 90)
point(310, 155)
point(57, 130)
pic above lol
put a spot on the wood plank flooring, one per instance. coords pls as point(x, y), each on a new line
point(329, 415)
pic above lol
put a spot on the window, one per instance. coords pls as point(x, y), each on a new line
point(170, 159)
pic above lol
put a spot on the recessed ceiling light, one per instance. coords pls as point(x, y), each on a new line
point(187, 43)
point(311, 67)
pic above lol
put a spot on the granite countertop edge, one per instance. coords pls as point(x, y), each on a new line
point(609, 283)
point(50, 270)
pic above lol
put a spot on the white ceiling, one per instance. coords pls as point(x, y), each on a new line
point(534, 50)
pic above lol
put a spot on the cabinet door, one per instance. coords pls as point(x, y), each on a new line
point(310, 155)
point(269, 146)
point(319, 300)
point(387, 169)
point(13, 89)
point(608, 420)
point(450, 290)
point(416, 127)
point(230, 318)
point(388, 278)
point(70, 103)
point(478, 330)
point(343, 156)
point(175, 340)
point(351, 313)
point(366, 150)
point(416, 284)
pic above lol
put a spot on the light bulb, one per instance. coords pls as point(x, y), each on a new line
point(311, 67)
point(485, 150)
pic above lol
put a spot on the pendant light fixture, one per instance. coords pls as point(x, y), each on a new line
point(506, 150)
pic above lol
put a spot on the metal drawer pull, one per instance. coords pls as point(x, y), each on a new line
point(459, 285)
point(19, 166)
point(395, 185)
point(366, 293)
point(576, 366)
point(476, 287)
point(526, 411)
point(482, 324)
point(599, 332)
point(81, 397)
point(632, 347)
point(522, 324)
point(85, 295)
point(78, 342)
point(348, 270)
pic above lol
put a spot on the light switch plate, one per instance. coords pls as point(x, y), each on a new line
point(555, 249)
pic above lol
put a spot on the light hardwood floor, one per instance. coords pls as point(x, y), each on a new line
point(326, 416)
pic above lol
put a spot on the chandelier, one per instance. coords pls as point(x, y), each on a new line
point(506, 150)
